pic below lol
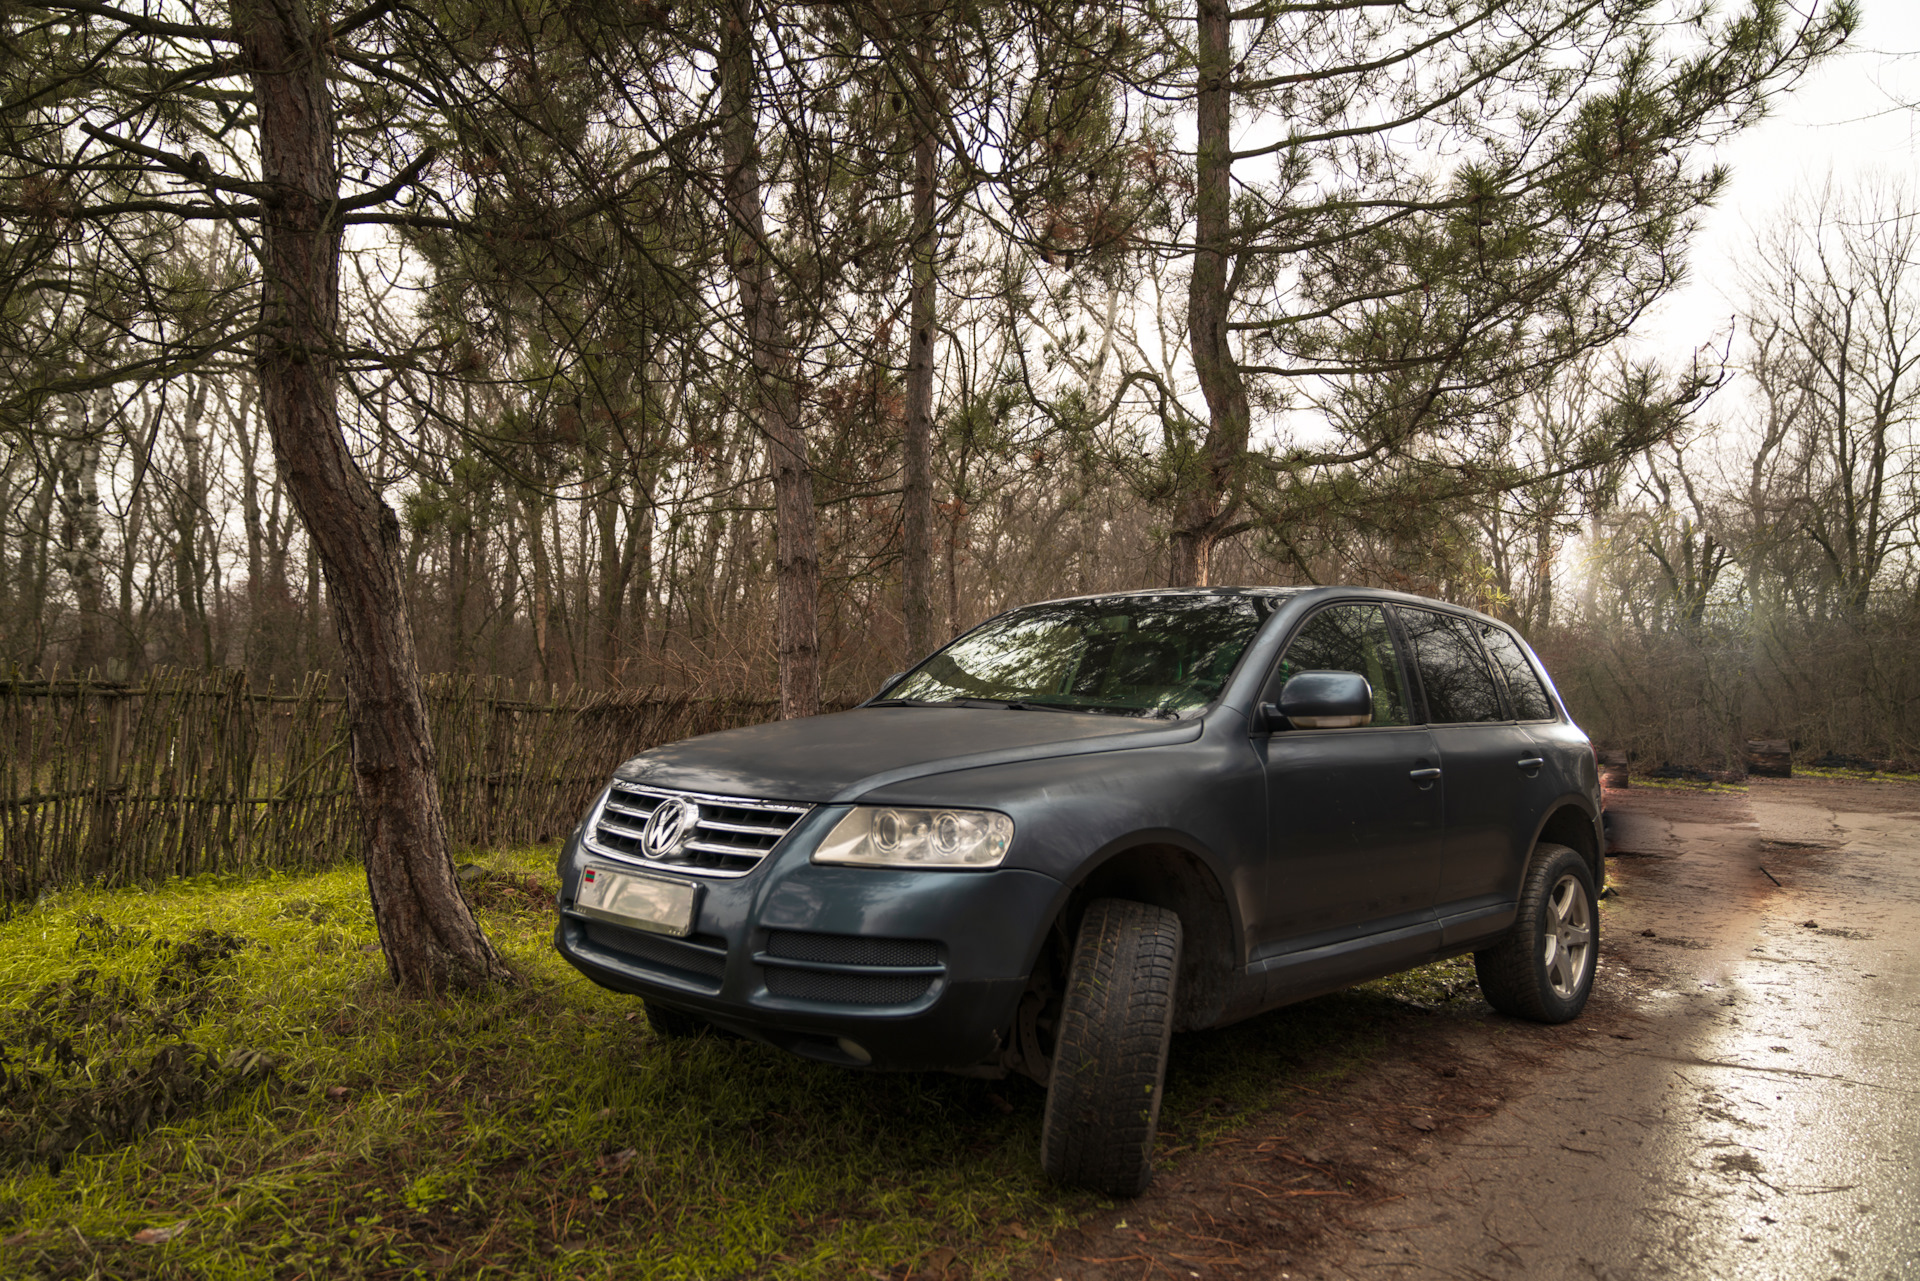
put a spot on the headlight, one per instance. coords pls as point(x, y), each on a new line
point(883, 836)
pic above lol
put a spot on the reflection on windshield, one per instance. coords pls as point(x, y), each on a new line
point(1135, 655)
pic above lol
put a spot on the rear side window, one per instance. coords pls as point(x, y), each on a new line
point(1530, 701)
point(1348, 638)
point(1458, 686)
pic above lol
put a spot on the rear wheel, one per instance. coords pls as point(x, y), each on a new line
point(1110, 1057)
point(1543, 969)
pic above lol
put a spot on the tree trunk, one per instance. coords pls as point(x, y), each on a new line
point(190, 516)
point(82, 534)
point(916, 499)
point(430, 938)
point(1203, 490)
point(36, 569)
point(616, 562)
point(797, 556)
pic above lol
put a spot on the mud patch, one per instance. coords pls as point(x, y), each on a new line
point(99, 1059)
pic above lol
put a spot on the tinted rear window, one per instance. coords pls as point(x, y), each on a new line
point(1530, 701)
point(1458, 686)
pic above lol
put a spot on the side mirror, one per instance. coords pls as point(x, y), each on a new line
point(1327, 700)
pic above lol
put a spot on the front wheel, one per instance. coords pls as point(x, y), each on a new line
point(1110, 1056)
point(1543, 969)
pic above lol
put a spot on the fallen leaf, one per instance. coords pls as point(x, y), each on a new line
point(1422, 1124)
point(337, 1092)
point(159, 1236)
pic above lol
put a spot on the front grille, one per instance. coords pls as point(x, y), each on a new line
point(730, 837)
point(701, 956)
point(849, 969)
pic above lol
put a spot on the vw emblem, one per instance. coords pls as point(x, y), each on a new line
point(669, 828)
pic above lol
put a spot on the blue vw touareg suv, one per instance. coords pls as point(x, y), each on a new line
point(1088, 824)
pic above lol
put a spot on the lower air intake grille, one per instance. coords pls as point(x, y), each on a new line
point(701, 957)
point(849, 989)
point(852, 949)
point(822, 967)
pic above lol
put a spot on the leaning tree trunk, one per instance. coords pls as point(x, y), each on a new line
point(430, 938)
point(796, 535)
point(1204, 487)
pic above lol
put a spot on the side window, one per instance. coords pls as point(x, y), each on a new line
point(1348, 638)
point(1458, 685)
point(1530, 701)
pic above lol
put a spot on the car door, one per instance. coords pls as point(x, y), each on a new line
point(1487, 761)
point(1354, 815)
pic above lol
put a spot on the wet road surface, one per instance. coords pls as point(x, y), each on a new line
point(1749, 1108)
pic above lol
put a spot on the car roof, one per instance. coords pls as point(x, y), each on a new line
point(1284, 593)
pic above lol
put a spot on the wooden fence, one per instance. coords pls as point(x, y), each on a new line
point(190, 772)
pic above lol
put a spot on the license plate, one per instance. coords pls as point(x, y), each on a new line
point(639, 902)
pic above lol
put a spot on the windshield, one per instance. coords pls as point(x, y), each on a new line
point(1134, 655)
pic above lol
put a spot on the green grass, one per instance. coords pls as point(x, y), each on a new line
point(1689, 785)
point(1871, 776)
point(221, 1060)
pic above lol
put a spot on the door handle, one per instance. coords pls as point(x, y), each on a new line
point(1531, 762)
point(1424, 774)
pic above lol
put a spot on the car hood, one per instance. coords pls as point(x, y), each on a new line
point(842, 756)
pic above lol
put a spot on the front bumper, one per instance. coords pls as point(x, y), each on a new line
point(896, 969)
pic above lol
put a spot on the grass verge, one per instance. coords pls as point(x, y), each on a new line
point(212, 1080)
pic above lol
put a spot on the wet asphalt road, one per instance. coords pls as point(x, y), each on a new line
point(1753, 1110)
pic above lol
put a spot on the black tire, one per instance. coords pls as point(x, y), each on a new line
point(1110, 1057)
point(670, 1024)
point(1543, 969)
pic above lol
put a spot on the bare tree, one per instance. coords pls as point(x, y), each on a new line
point(1835, 302)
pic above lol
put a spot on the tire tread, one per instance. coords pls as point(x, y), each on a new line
point(1109, 1064)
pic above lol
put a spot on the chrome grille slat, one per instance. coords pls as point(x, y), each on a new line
point(730, 836)
point(757, 829)
point(709, 847)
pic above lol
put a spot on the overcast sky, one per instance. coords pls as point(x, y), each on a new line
point(1850, 118)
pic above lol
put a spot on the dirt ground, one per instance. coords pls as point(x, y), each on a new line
point(1739, 1099)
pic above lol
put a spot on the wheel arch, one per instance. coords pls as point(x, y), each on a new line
point(1159, 869)
point(1570, 824)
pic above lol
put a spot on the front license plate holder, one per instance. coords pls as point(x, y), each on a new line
point(636, 901)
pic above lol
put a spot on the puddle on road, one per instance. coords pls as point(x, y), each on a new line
point(1795, 1156)
point(1754, 1113)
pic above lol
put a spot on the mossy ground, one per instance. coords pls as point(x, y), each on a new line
point(267, 1107)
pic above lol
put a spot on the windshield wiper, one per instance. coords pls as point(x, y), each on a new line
point(1098, 709)
point(935, 702)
